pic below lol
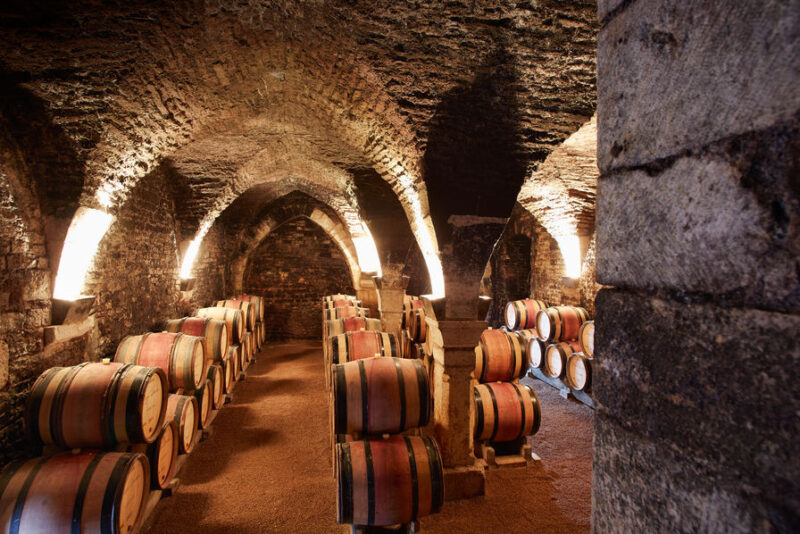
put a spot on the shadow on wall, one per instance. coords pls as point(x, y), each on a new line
point(508, 274)
point(474, 146)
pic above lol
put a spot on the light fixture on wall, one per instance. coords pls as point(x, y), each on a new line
point(85, 232)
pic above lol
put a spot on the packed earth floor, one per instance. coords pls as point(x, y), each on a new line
point(265, 467)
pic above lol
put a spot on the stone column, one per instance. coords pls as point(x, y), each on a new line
point(367, 293)
point(391, 289)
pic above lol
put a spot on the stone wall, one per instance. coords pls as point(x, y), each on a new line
point(293, 268)
point(698, 227)
point(543, 266)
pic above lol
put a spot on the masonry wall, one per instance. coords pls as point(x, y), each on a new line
point(698, 229)
point(293, 268)
point(538, 272)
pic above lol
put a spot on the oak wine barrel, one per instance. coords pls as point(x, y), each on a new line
point(93, 491)
point(183, 410)
point(341, 302)
point(418, 329)
point(216, 379)
point(499, 356)
point(524, 337)
point(162, 455)
point(335, 327)
point(204, 404)
point(555, 357)
point(247, 309)
point(234, 320)
point(352, 346)
point(214, 331)
point(235, 356)
point(96, 405)
point(258, 305)
point(409, 305)
point(521, 314)
point(505, 411)
point(388, 481)
point(535, 349)
point(579, 371)
point(560, 323)
point(586, 338)
point(380, 395)
point(180, 356)
point(343, 313)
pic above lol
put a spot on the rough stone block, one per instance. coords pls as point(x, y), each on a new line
point(677, 75)
point(717, 384)
point(725, 221)
point(3, 365)
point(640, 485)
point(604, 7)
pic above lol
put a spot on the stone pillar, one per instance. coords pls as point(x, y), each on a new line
point(367, 293)
point(452, 343)
point(695, 375)
point(391, 289)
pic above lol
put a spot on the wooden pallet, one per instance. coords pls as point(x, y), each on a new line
point(563, 388)
point(515, 453)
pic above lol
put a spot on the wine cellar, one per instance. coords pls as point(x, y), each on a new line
point(399, 266)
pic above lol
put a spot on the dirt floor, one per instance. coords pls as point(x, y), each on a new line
point(265, 468)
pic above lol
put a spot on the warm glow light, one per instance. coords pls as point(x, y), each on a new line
point(571, 252)
point(192, 250)
point(367, 252)
point(423, 233)
point(83, 237)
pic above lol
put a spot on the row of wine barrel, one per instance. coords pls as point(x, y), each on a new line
point(127, 410)
point(549, 323)
point(414, 319)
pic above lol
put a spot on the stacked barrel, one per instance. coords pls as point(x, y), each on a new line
point(559, 340)
point(415, 329)
point(505, 410)
point(380, 403)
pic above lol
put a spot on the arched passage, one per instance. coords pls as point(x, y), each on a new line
point(293, 267)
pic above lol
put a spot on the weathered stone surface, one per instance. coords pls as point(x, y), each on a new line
point(640, 485)
point(3, 365)
point(725, 221)
point(605, 7)
point(677, 76)
point(717, 384)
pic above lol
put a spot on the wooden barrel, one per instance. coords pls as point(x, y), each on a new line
point(180, 356)
point(579, 371)
point(505, 411)
point(258, 305)
point(162, 455)
point(233, 319)
point(555, 357)
point(330, 301)
point(214, 331)
point(248, 311)
point(380, 395)
point(499, 356)
point(344, 312)
point(351, 324)
point(418, 329)
point(183, 410)
point(231, 369)
point(96, 405)
point(99, 492)
point(586, 338)
point(388, 481)
point(235, 354)
point(216, 382)
point(204, 404)
point(521, 314)
point(560, 323)
point(524, 336)
point(535, 349)
point(357, 345)
point(247, 349)
point(409, 305)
